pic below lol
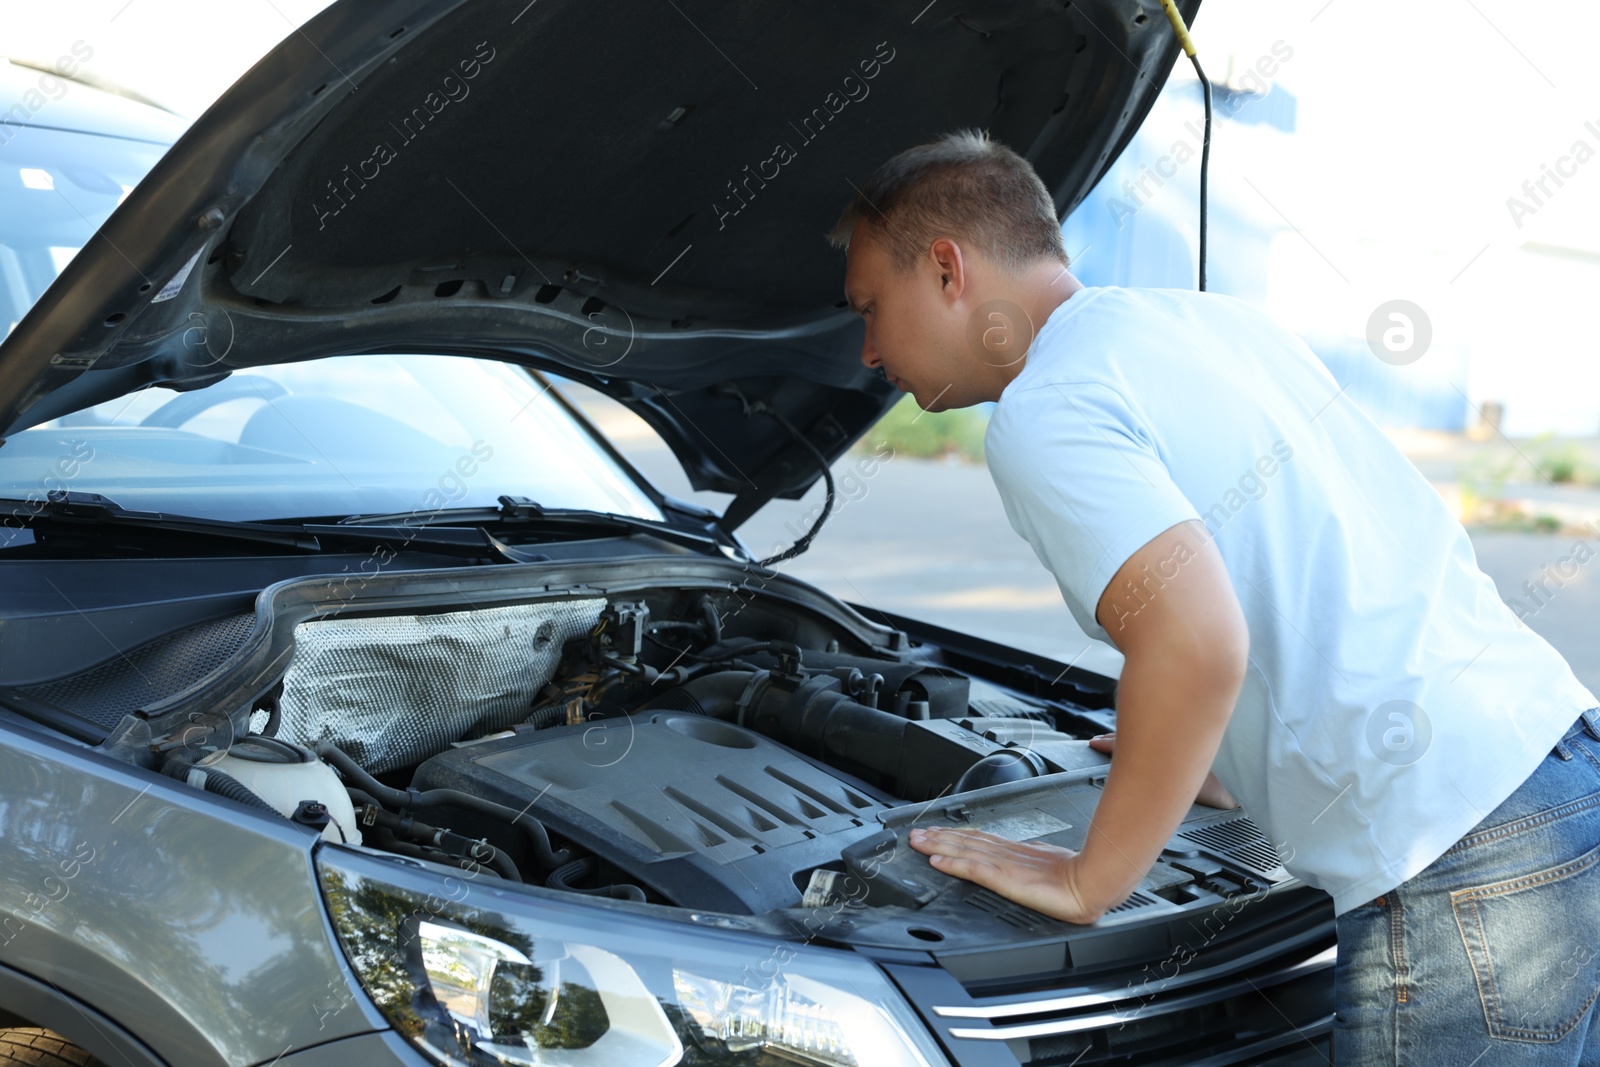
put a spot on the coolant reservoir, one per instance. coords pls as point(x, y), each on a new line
point(284, 774)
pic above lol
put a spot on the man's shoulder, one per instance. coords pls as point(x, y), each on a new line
point(1184, 304)
point(1135, 300)
point(1054, 407)
point(1107, 323)
point(1138, 341)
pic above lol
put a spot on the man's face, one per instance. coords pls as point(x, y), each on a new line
point(914, 328)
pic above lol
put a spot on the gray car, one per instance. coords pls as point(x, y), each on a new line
point(360, 704)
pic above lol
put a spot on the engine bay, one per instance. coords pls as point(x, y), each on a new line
point(702, 747)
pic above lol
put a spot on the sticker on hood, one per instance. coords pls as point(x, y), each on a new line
point(175, 283)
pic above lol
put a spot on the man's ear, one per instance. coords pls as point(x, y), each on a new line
point(951, 264)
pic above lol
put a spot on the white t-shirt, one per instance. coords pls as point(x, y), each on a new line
point(1392, 699)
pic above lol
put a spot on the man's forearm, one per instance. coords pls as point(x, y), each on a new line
point(1171, 713)
point(1185, 656)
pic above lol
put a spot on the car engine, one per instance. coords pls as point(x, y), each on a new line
point(700, 748)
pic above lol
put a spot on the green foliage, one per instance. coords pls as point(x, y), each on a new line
point(910, 431)
point(1564, 461)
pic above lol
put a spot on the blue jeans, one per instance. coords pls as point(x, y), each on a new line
point(1490, 956)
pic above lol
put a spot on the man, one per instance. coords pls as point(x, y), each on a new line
point(1296, 608)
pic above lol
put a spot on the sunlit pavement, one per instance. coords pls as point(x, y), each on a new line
point(1563, 605)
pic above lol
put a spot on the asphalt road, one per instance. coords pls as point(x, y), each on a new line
point(1565, 600)
point(929, 539)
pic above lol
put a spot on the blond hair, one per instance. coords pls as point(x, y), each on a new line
point(962, 186)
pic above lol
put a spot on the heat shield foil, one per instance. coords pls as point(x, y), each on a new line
point(394, 690)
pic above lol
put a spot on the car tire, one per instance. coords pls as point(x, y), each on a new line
point(32, 1046)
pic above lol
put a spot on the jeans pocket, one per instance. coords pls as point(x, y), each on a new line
point(1531, 941)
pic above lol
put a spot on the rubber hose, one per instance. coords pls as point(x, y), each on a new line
point(220, 783)
point(386, 795)
point(397, 844)
point(461, 846)
point(537, 836)
point(226, 785)
point(561, 877)
point(739, 646)
point(626, 891)
point(708, 609)
point(274, 719)
point(409, 798)
point(360, 797)
point(547, 717)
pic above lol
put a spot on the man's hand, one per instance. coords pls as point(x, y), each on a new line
point(1213, 793)
point(1039, 876)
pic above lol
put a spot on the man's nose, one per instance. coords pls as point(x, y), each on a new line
point(869, 354)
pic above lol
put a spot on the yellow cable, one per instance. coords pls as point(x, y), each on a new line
point(1178, 27)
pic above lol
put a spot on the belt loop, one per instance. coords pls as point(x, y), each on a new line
point(1591, 722)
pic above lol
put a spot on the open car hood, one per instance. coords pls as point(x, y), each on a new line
point(633, 197)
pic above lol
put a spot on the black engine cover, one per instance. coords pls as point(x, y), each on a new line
point(708, 814)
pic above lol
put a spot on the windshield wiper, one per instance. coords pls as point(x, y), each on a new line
point(520, 512)
point(79, 512)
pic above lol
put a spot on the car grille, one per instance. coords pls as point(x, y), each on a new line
point(1265, 996)
point(1241, 841)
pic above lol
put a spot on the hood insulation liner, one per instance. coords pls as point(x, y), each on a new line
point(394, 690)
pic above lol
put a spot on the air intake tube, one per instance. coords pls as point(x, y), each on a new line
point(816, 717)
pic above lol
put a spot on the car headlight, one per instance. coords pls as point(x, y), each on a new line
point(477, 973)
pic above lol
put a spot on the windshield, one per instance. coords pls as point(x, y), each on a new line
point(412, 434)
point(56, 188)
point(332, 437)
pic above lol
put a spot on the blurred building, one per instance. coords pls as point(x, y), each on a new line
point(1140, 227)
